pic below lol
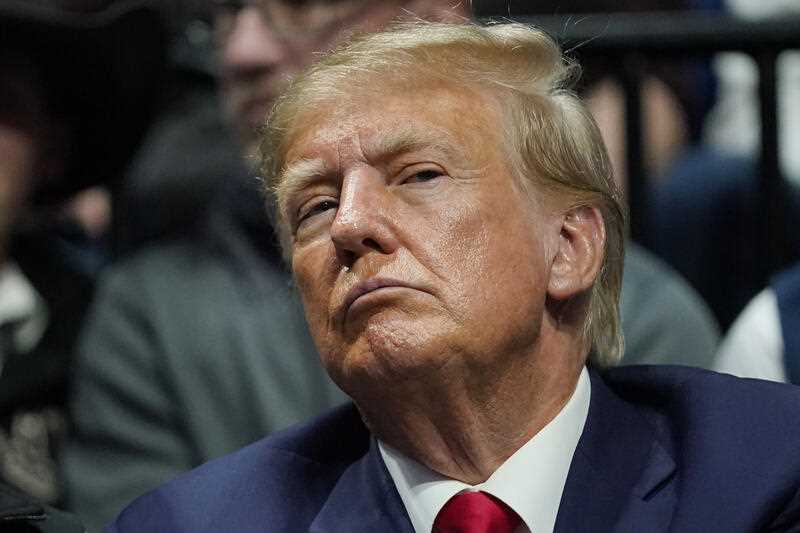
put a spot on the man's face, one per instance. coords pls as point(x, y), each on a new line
point(263, 43)
point(415, 249)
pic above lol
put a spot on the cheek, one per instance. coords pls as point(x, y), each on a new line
point(313, 283)
point(452, 236)
point(494, 253)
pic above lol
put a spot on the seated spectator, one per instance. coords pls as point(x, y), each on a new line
point(688, 183)
point(734, 122)
point(75, 94)
point(664, 320)
point(764, 342)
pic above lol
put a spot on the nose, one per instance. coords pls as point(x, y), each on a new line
point(363, 221)
point(251, 47)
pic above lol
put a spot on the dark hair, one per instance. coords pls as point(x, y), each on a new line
point(23, 103)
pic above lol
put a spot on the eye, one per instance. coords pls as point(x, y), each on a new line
point(423, 176)
point(312, 209)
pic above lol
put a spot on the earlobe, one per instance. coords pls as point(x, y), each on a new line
point(579, 257)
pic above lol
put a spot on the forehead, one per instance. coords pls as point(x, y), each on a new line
point(438, 117)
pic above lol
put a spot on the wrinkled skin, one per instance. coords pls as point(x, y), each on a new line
point(443, 298)
point(443, 223)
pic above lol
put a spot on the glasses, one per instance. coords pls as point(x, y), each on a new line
point(312, 21)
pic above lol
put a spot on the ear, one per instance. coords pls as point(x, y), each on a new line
point(579, 257)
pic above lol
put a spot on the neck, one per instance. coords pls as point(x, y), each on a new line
point(464, 430)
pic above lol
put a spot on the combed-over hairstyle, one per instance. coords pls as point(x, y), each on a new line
point(553, 144)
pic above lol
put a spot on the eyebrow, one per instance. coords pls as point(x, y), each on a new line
point(295, 177)
point(299, 174)
point(407, 139)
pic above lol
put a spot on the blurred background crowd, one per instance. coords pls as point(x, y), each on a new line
point(147, 322)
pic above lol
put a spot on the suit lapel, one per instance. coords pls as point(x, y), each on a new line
point(621, 479)
point(621, 476)
point(364, 500)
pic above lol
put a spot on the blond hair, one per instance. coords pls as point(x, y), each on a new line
point(553, 143)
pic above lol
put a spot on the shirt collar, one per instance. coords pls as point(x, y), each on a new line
point(22, 306)
point(531, 481)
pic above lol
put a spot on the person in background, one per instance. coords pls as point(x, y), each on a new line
point(733, 124)
point(70, 117)
point(57, 114)
point(449, 212)
point(764, 341)
point(713, 180)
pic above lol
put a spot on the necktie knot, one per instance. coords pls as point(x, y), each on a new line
point(475, 512)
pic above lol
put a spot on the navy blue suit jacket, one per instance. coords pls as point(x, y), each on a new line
point(663, 449)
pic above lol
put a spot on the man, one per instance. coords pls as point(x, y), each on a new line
point(448, 210)
point(196, 348)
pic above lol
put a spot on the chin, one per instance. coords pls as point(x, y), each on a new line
point(390, 350)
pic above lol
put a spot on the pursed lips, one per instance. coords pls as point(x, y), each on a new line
point(365, 287)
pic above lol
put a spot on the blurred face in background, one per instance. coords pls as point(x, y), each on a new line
point(21, 118)
point(17, 158)
point(263, 43)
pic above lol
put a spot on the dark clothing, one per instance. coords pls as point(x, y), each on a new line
point(664, 320)
point(34, 380)
point(20, 514)
point(705, 221)
point(663, 449)
point(192, 350)
point(787, 293)
point(40, 378)
point(185, 162)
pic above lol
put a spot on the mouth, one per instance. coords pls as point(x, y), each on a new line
point(365, 288)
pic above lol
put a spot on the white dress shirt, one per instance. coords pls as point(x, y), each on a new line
point(530, 481)
point(753, 347)
point(22, 306)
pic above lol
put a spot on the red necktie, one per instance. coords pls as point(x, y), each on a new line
point(475, 512)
